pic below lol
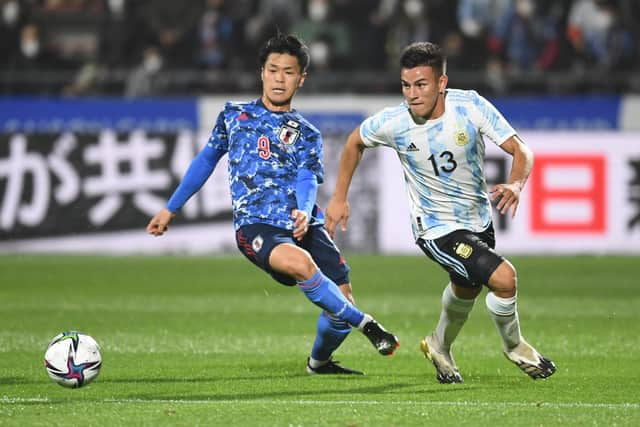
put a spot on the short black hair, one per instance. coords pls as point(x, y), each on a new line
point(424, 53)
point(286, 43)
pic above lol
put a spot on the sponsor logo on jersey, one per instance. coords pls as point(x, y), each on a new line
point(462, 139)
point(463, 250)
point(412, 147)
point(288, 134)
point(257, 242)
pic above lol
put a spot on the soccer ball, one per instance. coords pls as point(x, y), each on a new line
point(73, 359)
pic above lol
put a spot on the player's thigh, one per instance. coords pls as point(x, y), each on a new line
point(292, 260)
point(327, 257)
point(468, 257)
point(257, 241)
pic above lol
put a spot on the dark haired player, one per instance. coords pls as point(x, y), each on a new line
point(275, 167)
point(438, 134)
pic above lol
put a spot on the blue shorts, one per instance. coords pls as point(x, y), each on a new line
point(468, 257)
point(256, 241)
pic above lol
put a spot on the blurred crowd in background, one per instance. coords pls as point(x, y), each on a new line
point(186, 47)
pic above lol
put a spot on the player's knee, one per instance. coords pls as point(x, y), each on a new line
point(293, 262)
point(302, 267)
point(504, 281)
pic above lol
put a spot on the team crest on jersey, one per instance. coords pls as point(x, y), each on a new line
point(462, 138)
point(463, 250)
point(289, 132)
point(257, 242)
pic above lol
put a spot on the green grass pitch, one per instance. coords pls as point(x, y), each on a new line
point(214, 341)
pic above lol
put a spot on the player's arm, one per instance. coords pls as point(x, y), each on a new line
point(200, 169)
point(508, 194)
point(306, 193)
point(337, 211)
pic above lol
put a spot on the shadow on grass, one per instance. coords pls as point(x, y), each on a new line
point(286, 393)
point(195, 379)
point(294, 386)
point(17, 381)
point(293, 393)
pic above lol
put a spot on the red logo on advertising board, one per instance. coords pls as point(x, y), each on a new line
point(560, 204)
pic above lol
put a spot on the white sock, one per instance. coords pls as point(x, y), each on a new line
point(366, 319)
point(455, 312)
point(504, 313)
point(315, 364)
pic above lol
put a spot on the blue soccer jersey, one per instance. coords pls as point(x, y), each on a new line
point(266, 150)
point(443, 160)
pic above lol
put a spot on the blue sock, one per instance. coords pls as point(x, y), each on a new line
point(325, 294)
point(331, 333)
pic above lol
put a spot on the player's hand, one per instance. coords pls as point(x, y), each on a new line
point(160, 223)
point(508, 196)
point(337, 212)
point(300, 223)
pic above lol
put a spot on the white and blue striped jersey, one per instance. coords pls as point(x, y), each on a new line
point(442, 160)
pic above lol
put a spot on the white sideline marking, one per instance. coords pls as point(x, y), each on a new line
point(623, 405)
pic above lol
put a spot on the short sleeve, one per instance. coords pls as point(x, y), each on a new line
point(489, 120)
point(372, 130)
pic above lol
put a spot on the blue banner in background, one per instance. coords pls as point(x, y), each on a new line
point(93, 115)
point(170, 115)
point(561, 113)
point(332, 123)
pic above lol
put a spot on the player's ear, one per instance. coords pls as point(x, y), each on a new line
point(442, 83)
point(303, 76)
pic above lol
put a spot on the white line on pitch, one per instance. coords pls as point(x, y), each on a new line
point(621, 405)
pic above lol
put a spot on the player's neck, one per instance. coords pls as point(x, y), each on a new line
point(276, 108)
point(434, 114)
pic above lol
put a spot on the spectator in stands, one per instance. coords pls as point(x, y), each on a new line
point(443, 20)
point(172, 27)
point(12, 18)
point(279, 13)
point(526, 37)
point(630, 14)
point(410, 23)
point(119, 43)
point(268, 16)
point(327, 37)
point(478, 35)
point(368, 23)
point(32, 60)
point(119, 47)
point(215, 31)
point(144, 79)
point(240, 12)
point(420, 20)
point(598, 35)
point(476, 20)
